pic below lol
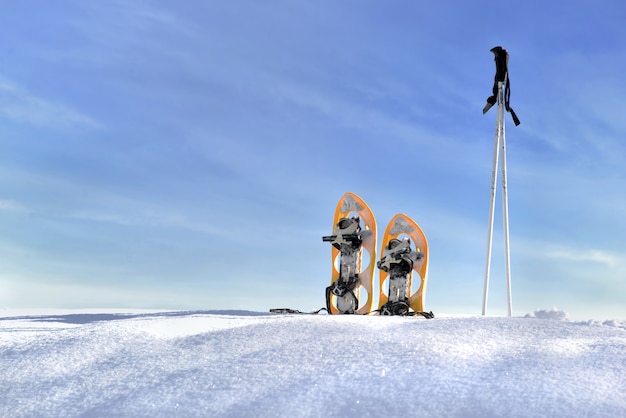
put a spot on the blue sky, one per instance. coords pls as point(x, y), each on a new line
point(190, 155)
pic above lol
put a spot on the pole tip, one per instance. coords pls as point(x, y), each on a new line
point(497, 49)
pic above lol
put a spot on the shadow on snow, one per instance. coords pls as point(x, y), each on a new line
point(88, 318)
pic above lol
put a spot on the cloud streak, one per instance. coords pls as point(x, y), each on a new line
point(20, 105)
point(606, 258)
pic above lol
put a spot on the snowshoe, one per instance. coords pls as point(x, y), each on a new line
point(353, 242)
point(404, 257)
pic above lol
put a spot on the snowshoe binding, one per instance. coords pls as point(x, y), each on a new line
point(397, 260)
point(348, 241)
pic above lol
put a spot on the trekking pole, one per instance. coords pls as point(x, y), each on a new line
point(505, 212)
point(500, 96)
point(494, 180)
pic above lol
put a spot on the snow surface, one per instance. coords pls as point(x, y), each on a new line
point(239, 364)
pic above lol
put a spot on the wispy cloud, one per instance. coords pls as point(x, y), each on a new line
point(557, 252)
point(20, 105)
point(584, 255)
point(12, 206)
point(127, 213)
point(590, 125)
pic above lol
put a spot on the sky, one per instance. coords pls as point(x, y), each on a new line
point(190, 155)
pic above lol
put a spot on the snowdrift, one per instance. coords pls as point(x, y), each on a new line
point(236, 364)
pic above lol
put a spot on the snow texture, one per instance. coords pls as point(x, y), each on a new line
point(238, 363)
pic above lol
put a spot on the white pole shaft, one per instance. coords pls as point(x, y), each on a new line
point(494, 180)
point(505, 212)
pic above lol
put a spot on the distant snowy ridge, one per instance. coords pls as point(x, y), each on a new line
point(559, 315)
point(553, 313)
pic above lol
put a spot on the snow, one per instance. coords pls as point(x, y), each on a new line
point(238, 363)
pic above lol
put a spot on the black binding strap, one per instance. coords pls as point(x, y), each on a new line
point(398, 310)
point(295, 311)
point(427, 315)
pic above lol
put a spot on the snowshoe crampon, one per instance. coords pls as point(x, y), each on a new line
point(353, 254)
point(403, 268)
